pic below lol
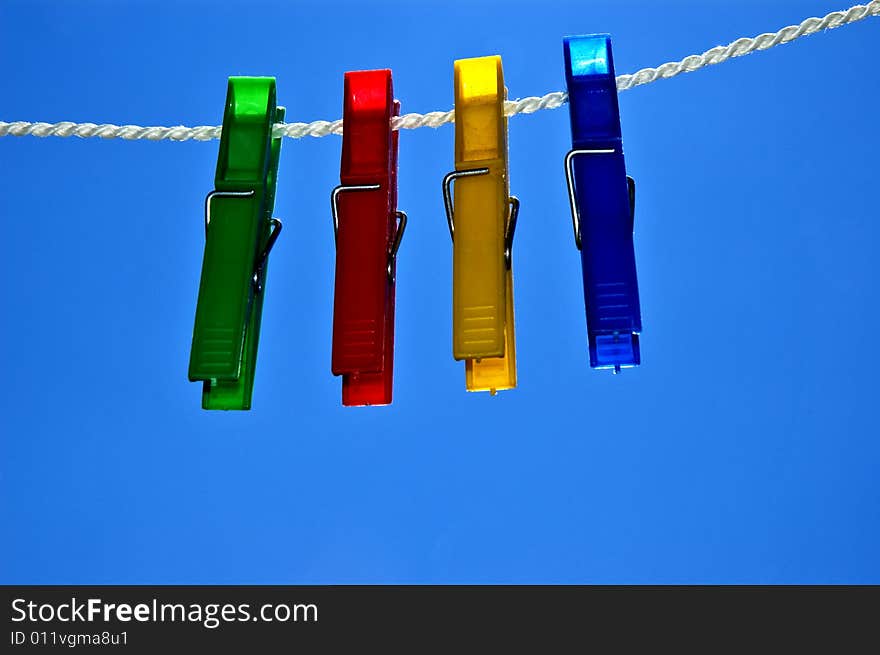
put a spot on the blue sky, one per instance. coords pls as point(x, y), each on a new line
point(743, 450)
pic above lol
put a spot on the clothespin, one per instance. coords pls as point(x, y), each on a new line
point(482, 220)
point(367, 228)
point(239, 233)
point(602, 199)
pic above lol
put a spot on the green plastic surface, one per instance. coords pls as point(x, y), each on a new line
point(227, 323)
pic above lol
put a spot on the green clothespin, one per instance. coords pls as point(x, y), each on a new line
point(239, 233)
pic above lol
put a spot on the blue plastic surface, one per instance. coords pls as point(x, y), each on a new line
point(602, 196)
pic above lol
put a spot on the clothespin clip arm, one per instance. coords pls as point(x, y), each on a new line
point(334, 202)
point(240, 232)
point(399, 214)
point(448, 203)
point(570, 156)
point(368, 230)
point(395, 243)
point(275, 231)
point(602, 201)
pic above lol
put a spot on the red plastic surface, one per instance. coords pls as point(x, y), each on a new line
point(363, 308)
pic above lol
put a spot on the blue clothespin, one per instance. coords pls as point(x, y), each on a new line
point(602, 202)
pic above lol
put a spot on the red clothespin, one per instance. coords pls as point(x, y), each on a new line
point(368, 229)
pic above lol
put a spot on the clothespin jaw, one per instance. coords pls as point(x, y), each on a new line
point(482, 219)
point(368, 229)
point(239, 233)
point(602, 203)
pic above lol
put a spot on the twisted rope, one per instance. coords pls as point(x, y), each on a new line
point(716, 55)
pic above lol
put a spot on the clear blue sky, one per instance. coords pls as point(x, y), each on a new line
point(744, 450)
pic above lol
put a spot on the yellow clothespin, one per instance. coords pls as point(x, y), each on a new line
point(481, 223)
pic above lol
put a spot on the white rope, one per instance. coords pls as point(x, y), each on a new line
point(746, 46)
point(716, 55)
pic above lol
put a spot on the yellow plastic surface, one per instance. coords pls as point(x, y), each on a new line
point(496, 373)
point(482, 286)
